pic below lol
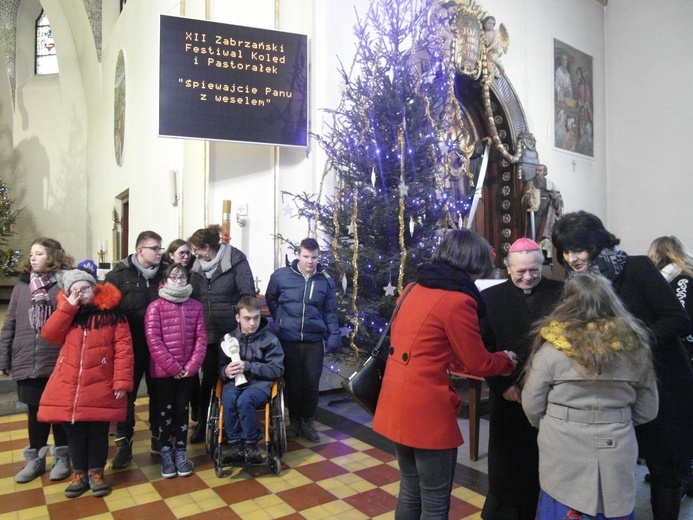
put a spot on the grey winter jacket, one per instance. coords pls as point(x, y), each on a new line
point(22, 350)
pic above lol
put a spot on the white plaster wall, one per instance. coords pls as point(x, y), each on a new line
point(650, 106)
point(529, 65)
point(48, 178)
point(147, 159)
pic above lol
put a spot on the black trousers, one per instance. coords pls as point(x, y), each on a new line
point(172, 398)
point(39, 431)
point(210, 374)
point(88, 445)
point(302, 370)
point(127, 428)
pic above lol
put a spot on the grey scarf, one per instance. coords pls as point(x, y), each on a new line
point(209, 267)
point(147, 272)
point(175, 293)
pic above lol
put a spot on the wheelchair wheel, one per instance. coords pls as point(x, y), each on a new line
point(212, 426)
point(275, 464)
point(218, 465)
point(278, 424)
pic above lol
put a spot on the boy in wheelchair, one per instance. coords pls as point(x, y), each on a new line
point(248, 379)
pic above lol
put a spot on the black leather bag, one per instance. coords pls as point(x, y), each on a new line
point(364, 384)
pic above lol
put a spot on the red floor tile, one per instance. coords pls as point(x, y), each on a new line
point(241, 490)
point(379, 475)
point(305, 497)
point(372, 503)
point(333, 449)
point(22, 500)
point(171, 487)
point(82, 507)
point(379, 454)
point(461, 509)
point(321, 470)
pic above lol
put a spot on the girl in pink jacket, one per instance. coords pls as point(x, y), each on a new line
point(177, 338)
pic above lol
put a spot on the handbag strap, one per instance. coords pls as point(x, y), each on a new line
point(376, 350)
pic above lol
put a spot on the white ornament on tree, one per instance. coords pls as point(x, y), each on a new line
point(389, 289)
point(403, 189)
point(411, 226)
point(373, 176)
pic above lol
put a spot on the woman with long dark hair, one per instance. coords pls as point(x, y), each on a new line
point(29, 358)
point(437, 325)
point(584, 245)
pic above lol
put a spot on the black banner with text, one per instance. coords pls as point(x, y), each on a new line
point(231, 83)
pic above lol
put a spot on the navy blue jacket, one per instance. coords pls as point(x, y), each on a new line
point(263, 356)
point(304, 310)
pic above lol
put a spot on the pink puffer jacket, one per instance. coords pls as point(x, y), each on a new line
point(176, 335)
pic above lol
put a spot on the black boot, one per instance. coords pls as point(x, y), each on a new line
point(665, 502)
point(124, 455)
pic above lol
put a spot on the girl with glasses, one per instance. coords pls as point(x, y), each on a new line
point(177, 338)
point(88, 388)
point(179, 252)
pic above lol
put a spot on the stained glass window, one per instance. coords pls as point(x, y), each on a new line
point(46, 59)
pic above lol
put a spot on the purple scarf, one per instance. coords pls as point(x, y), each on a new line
point(41, 304)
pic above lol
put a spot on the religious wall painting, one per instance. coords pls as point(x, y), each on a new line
point(573, 106)
point(119, 109)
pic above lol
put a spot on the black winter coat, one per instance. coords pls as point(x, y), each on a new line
point(648, 296)
point(138, 293)
point(232, 279)
point(513, 456)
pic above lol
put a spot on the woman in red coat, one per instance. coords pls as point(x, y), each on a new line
point(437, 324)
point(93, 373)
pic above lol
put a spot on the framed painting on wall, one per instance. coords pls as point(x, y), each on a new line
point(573, 107)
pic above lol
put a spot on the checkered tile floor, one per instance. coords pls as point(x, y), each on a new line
point(351, 474)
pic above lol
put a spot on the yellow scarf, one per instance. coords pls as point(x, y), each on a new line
point(554, 333)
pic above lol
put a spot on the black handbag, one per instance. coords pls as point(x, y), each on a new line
point(364, 384)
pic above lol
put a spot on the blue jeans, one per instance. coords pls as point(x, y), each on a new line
point(240, 412)
point(425, 485)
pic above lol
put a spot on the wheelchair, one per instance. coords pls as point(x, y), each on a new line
point(274, 428)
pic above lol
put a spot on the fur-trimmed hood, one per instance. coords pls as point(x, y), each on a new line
point(106, 296)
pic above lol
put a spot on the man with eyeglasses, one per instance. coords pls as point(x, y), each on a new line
point(138, 277)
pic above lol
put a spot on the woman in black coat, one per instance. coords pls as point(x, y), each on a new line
point(666, 444)
point(220, 277)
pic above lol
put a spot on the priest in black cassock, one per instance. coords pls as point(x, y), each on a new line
point(513, 457)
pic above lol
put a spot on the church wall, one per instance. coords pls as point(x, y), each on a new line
point(648, 97)
point(529, 64)
point(148, 160)
point(47, 174)
point(246, 174)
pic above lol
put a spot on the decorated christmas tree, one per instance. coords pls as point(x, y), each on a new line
point(9, 258)
point(399, 152)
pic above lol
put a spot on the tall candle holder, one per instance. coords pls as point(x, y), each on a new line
point(102, 255)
